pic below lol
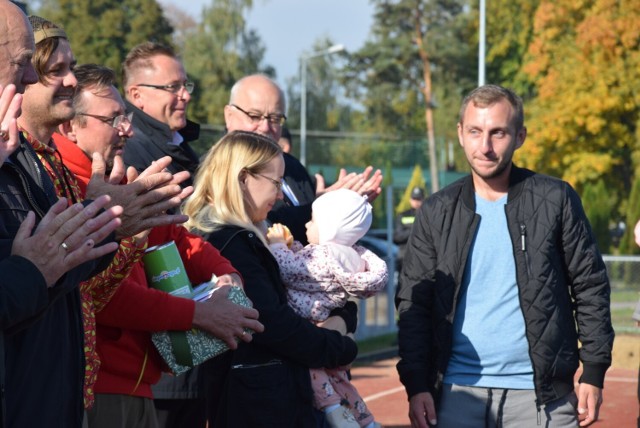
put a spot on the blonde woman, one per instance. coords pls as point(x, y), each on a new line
point(264, 383)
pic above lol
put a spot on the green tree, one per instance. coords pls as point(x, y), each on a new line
point(411, 58)
point(584, 62)
point(219, 51)
point(598, 207)
point(627, 243)
point(103, 31)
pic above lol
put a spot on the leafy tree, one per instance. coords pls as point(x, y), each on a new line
point(628, 244)
point(103, 31)
point(508, 36)
point(417, 179)
point(219, 51)
point(412, 44)
point(584, 63)
point(325, 111)
point(598, 207)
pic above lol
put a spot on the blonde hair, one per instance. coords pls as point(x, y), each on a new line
point(218, 199)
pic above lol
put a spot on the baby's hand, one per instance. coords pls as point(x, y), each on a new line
point(279, 234)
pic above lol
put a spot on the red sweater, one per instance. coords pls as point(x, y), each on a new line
point(130, 363)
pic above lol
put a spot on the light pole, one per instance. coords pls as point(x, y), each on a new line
point(481, 44)
point(303, 96)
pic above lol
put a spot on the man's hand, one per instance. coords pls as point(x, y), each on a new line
point(77, 227)
point(226, 320)
point(364, 183)
point(421, 410)
point(146, 199)
point(10, 104)
point(589, 401)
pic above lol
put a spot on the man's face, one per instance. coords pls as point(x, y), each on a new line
point(51, 103)
point(489, 138)
point(16, 49)
point(161, 104)
point(257, 97)
point(98, 110)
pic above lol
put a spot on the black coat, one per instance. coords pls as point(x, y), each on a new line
point(269, 383)
point(150, 143)
point(43, 343)
point(559, 270)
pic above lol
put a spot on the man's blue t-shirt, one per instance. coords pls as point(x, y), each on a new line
point(489, 345)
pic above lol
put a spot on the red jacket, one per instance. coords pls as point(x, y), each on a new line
point(130, 363)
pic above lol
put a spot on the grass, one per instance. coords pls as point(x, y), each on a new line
point(378, 343)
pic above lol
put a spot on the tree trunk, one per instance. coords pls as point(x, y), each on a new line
point(426, 74)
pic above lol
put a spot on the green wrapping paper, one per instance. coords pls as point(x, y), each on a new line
point(182, 350)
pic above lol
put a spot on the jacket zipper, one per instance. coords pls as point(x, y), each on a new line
point(523, 244)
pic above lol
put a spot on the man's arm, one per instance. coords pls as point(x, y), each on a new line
point(590, 289)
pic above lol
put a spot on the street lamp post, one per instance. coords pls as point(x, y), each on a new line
point(303, 96)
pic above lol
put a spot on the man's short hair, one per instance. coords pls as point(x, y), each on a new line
point(488, 95)
point(47, 36)
point(140, 57)
point(90, 76)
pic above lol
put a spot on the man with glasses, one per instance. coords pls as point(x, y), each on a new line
point(157, 92)
point(130, 310)
point(257, 104)
point(49, 348)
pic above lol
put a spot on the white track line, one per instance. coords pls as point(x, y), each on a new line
point(383, 394)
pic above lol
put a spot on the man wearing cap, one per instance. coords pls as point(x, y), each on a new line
point(404, 222)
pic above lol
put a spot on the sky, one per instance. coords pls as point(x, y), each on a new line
point(288, 28)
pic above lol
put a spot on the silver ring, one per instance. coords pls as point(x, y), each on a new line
point(65, 246)
point(244, 333)
point(4, 135)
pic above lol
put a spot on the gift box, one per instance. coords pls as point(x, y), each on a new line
point(182, 350)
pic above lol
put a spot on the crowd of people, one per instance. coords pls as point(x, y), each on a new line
point(501, 281)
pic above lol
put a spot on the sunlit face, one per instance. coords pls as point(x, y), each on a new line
point(163, 105)
point(51, 103)
point(313, 237)
point(97, 134)
point(489, 138)
point(16, 50)
point(257, 96)
point(260, 190)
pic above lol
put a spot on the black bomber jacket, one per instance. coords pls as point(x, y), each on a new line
point(562, 281)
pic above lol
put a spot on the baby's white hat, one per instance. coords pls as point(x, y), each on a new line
point(342, 216)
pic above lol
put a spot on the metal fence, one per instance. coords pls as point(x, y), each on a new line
point(377, 315)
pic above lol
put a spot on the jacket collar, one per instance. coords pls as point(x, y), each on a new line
point(517, 177)
point(151, 126)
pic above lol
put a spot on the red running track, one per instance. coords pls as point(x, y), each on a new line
point(379, 385)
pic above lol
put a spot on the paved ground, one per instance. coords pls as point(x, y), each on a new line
point(378, 383)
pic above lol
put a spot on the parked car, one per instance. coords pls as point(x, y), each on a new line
point(382, 248)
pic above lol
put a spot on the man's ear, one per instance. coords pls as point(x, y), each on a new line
point(68, 130)
point(134, 96)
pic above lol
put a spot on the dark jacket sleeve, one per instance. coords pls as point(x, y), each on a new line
point(294, 217)
point(590, 289)
point(23, 291)
point(414, 302)
point(286, 333)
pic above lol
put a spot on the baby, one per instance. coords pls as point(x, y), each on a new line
point(321, 277)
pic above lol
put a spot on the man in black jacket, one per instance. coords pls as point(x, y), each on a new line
point(501, 280)
point(43, 352)
point(157, 93)
point(257, 104)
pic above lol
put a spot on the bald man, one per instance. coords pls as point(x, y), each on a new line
point(257, 104)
